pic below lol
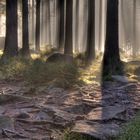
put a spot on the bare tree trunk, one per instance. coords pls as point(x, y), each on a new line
point(25, 30)
point(100, 25)
point(38, 25)
point(33, 22)
point(111, 60)
point(134, 29)
point(11, 42)
point(90, 52)
point(77, 27)
point(61, 23)
point(48, 22)
point(68, 50)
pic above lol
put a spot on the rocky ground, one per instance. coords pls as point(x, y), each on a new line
point(43, 113)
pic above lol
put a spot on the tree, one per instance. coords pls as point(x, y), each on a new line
point(77, 27)
point(33, 23)
point(100, 25)
point(134, 29)
point(61, 23)
point(90, 52)
point(68, 49)
point(11, 41)
point(37, 34)
point(25, 31)
point(111, 60)
point(48, 21)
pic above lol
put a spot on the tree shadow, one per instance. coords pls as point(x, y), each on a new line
point(118, 101)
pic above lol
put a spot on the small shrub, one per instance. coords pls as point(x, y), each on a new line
point(14, 68)
point(59, 74)
point(38, 72)
point(48, 51)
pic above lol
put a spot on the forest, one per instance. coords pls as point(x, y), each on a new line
point(69, 70)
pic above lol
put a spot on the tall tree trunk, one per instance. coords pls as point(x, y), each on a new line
point(33, 22)
point(37, 25)
point(122, 33)
point(68, 49)
point(61, 23)
point(90, 52)
point(77, 27)
point(48, 22)
point(25, 29)
point(11, 42)
point(100, 25)
point(111, 60)
point(134, 29)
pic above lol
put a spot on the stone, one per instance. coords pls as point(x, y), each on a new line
point(2, 110)
point(6, 123)
point(105, 113)
point(42, 116)
point(96, 130)
point(58, 57)
point(120, 78)
point(23, 115)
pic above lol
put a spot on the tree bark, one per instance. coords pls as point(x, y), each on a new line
point(25, 29)
point(48, 22)
point(61, 23)
point(111, 60)
point(134, 29)
point(90, 52)
point(11, 41)
point(38, 25)
point(33, 22)
point(68, 50)
point(77, 27)
point(100, 26)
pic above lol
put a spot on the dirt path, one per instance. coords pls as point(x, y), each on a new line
point(43, 113)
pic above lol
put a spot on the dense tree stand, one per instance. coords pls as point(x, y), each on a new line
point(111, 60)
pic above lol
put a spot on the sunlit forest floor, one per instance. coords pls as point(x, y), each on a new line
point(56, 101)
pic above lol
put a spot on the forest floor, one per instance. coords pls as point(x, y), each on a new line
point(46, 113)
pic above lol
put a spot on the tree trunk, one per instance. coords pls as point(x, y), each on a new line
point(11, 42)
point(134, 29)
point(33, 23)
point(37, 25)
point(111, 60)
point(100, 25)
point(77, 27)
point(25, 29)
point(48, 22)
point(61, 23)
point(68, 50)
point(90, 52)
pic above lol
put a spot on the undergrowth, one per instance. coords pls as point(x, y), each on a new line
point(38, 72)
point(76, 136)
point(131, 130)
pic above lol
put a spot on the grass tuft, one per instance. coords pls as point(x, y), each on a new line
point(131, 130)
point(76, 136)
